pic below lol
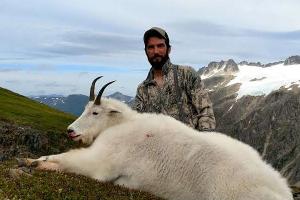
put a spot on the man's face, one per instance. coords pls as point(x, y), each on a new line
point(157, 52)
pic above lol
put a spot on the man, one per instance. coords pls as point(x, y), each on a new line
point(172, 89)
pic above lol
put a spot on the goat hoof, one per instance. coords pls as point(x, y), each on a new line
point(27, 162)
point(22, 162)
point(17, 173)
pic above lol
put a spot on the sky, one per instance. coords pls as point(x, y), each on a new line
point(59, 47)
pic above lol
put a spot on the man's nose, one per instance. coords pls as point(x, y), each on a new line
point(155, 50)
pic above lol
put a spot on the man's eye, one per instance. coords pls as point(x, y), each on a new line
point(95, 113)
point(150, 47)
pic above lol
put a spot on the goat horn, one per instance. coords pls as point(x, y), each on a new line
point(92, 94)
point(98, 99)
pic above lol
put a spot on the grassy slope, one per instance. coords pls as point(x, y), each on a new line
point(49, 185)
point(24, 111)
point(54, 185)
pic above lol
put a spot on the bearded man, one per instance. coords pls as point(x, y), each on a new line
point(170, 89)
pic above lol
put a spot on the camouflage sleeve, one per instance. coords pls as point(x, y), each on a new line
point(201, 103)
point(138, 104)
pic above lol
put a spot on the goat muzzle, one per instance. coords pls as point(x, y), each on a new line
point(71, 134)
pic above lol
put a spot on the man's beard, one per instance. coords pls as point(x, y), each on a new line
point(158, 64)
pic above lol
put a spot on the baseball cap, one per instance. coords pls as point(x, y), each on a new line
point(156, 31)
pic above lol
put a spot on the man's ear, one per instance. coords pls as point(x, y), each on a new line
point(169, 50)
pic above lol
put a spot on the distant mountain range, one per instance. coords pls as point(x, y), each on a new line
point(75, 103)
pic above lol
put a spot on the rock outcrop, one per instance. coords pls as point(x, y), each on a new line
point(221, 68)
point(22, 141)
point(292, 60)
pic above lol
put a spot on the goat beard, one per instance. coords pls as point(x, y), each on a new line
point(80, 144)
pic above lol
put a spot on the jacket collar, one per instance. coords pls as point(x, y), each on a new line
point(166, 68)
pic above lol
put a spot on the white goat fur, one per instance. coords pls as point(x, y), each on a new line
point(158, 154)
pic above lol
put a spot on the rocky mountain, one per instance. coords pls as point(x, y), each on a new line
point(259, 104)
point(121, 97)
point(75, 103)
point(219, 68)
point(292, 60)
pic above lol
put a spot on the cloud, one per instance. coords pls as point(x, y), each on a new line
point(12, 58)
point(209, 29)
point(3, 70)
point(14, 81)
point(91, 43)
point(289, 35)
point(55, 85)
point(41, 92)
point(204, 42)
point(44, 67)
point(68, 82)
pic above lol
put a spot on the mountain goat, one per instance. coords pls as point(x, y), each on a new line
point(158, 154)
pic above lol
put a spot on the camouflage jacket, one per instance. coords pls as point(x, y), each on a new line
point(196, 107)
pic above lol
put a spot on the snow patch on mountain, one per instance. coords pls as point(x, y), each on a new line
point(257, 80)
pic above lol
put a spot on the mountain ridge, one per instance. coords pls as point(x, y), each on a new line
point(267, 120)
point(232, 66)
point(75, 103)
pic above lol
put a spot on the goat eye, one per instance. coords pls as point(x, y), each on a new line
point(95, 113)
point(114, 111)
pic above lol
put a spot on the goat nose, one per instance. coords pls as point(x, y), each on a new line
point(70, 130)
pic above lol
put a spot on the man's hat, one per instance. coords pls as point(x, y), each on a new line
point(154, 32)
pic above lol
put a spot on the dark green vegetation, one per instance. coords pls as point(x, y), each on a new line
point(28, 128)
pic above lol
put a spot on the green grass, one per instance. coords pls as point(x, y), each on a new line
point(53, 185)
point(24, 111)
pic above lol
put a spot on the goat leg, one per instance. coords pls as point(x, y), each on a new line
point(38, 164)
